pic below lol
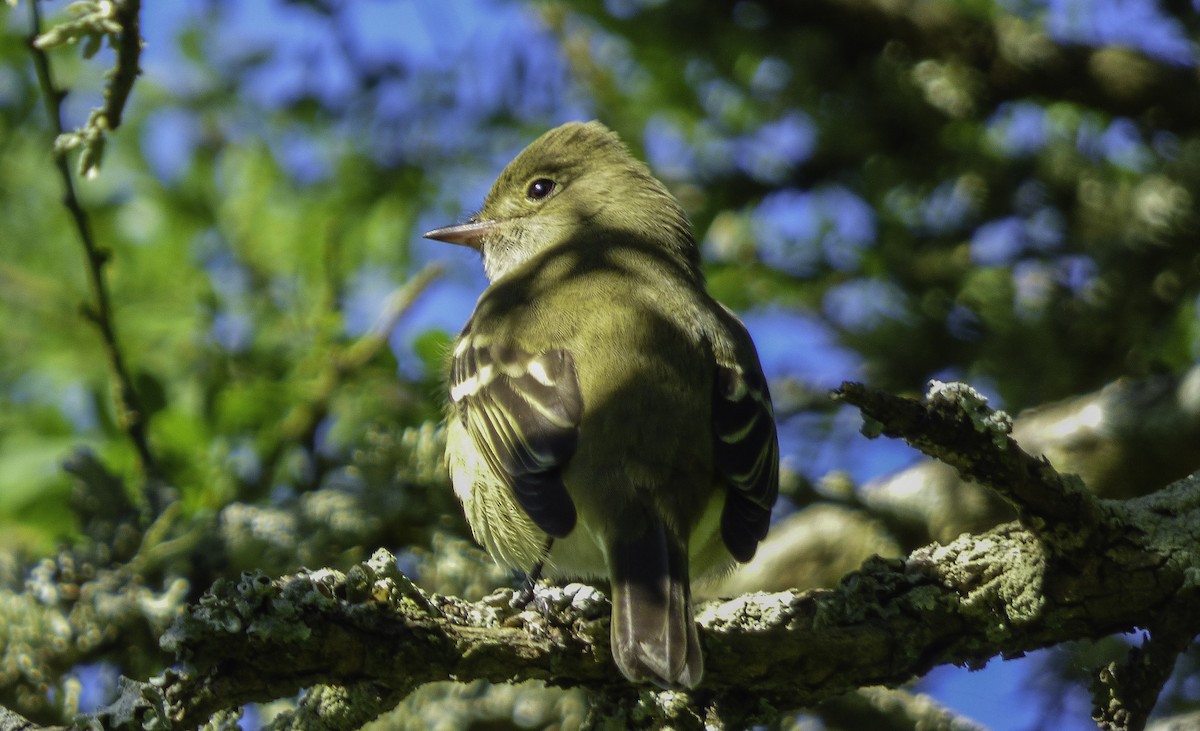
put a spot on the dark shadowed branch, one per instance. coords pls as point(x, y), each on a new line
point(10, 721)
point(1124, 694)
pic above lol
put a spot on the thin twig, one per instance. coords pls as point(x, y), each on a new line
point(130, 414)
point(302, 420)
point(118, 22)
point(129, 51)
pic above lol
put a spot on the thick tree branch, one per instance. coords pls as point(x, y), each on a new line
point(1125, 440)
point(1001, 593)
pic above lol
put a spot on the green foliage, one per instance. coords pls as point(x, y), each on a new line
point(234, 242)
point(903, 114)
point(287, 430)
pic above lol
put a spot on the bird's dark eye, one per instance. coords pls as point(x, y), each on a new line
point(540, 189)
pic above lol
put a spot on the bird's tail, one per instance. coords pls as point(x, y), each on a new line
point(653, 633)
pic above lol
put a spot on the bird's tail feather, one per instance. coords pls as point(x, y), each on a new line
point(653, 633)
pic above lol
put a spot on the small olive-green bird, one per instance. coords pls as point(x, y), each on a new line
point(608, 418)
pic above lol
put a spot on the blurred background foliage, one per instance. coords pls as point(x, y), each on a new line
point(996, 191)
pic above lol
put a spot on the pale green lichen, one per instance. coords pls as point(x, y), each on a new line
point(66, 608)
point(671, 704)
point(925, 598)
point(750, 612)
point(252, 606)
point(225, 720)
point(448, 706)
point(1174, 539)
point(963, 397)
point(1004, 577)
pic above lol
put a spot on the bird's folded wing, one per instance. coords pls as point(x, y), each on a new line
point(522, 411)
point(746, 453)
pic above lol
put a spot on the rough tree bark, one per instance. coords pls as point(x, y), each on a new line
point(1073, 567)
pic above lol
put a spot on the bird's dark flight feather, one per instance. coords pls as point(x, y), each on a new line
point(746, 452)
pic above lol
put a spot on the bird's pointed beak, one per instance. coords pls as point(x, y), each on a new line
point(469, 234)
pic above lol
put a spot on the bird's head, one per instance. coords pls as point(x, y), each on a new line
point(577, 182)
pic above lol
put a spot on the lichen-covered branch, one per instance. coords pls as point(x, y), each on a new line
point(110, 596)
point(956, 427)
point(1125, 694)
point(997, 594)
point(1124, 440)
